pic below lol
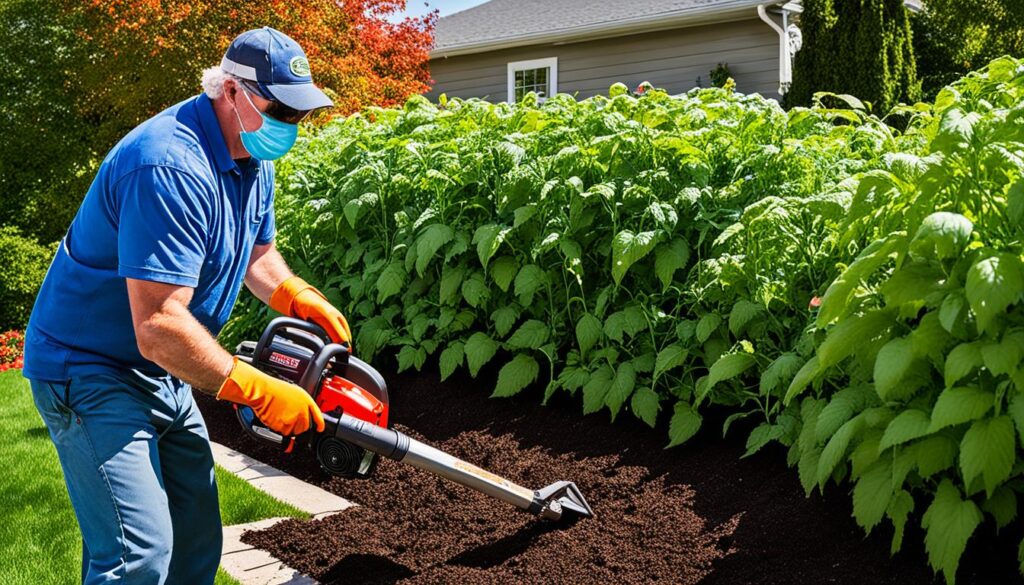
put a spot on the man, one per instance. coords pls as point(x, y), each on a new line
point(179, 214)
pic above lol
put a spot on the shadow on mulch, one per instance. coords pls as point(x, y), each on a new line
point(696, 513)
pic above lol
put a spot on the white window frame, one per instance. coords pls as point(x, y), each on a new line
point(550, 62)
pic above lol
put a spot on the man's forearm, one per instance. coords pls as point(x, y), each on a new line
point(174, 340)
point(267, 270)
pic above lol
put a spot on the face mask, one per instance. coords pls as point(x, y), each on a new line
point(271, 140)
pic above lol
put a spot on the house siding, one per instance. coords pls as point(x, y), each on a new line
point(671, 59)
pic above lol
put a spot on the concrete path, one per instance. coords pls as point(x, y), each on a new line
point(252, 566)
point(308, 498)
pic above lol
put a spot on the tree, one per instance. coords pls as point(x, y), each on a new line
point(114, 63)
point(954, 37)
point(857, 47)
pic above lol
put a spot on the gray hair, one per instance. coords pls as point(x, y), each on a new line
point(213, 81)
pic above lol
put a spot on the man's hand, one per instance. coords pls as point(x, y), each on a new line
point(297, 298)
point(269, 278)
point(285, 408)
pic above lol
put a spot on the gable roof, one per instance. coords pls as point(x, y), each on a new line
point(501, 24)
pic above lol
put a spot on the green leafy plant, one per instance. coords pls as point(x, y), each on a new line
point(852, 288)
point(632, 251)
point(918, 376)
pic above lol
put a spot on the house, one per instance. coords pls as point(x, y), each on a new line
point(502, 49)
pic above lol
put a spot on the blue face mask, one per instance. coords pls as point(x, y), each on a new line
point(271, 140)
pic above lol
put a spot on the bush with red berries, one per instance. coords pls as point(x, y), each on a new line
point(12, 349)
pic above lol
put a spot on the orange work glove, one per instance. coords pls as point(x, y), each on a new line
point(285, 408)
point(297, 298)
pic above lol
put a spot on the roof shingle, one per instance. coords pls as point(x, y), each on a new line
point(507, 19)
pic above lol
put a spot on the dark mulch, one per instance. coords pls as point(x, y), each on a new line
point(696, 513)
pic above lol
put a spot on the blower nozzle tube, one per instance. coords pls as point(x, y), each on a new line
point(550, 502)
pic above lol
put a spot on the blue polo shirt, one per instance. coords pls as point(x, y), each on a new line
point(168, 204)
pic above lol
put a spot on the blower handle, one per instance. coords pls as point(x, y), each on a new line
point(280, 326)
point(323, 351)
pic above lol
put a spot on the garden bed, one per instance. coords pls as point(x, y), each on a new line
point(697, 513)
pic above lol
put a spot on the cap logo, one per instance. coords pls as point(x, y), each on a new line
point(299, 66)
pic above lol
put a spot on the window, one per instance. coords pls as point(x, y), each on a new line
point(537, 75)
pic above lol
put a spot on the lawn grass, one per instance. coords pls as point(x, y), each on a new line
point(39, 537)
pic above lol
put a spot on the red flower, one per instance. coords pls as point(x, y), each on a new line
point(815, 303)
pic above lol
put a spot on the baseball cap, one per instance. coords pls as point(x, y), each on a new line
point(278, 66)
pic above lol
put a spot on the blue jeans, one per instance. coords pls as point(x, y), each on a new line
point(139, 470)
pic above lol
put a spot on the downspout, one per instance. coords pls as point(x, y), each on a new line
point(785, 62)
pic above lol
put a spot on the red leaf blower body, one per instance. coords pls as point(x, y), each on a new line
point(354, 400)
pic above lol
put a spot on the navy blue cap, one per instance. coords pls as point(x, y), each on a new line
point(279, 67)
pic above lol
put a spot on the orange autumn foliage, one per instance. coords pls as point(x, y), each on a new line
point(144, 55)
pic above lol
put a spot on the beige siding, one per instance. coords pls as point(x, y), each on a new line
point(670, 59)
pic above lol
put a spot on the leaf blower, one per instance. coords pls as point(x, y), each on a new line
point(354, 400)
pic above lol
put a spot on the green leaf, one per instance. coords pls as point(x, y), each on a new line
point(780, 372)
point(913, 284)
point(961, 361)
point(390, 281)
point(803, 377)
point(893, 362)
point(530, 335)
point(355, 208)
point(488, 239)
point(841, 408)
point(530, 278)
point(573, 378)
point(1003, 358)
point(707, 325)
point(451, 358)
point(503, 319)
point(942, 235)
point(952, 310)
point(1016, 412)
point(1015, 202)
point(959, 405)
point(900, 506)
point(502, 271)
point(837, 447)
point(429, 242)
point(672, 356)
point(451, 282)
point(988, 450)
point(628, 248)
point(956, 131)
point(596, 388)
point(406, 357)
point(743, 312)
point(872, 494)
point(852, 333)
point(836, 299)
point(621, 388)
point(761, 436)
point(617, 89)
point(474, 290)
point(1002, 505)
point(993, 284)
point(479, 350)
point(949, 522)
point(685, 424)
point(516, 375)
point(645, 405)
point(807, 469)
point(668, 258)
point(727, 367)
point(588, 332)
point(933, 454)
point(908, 425)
